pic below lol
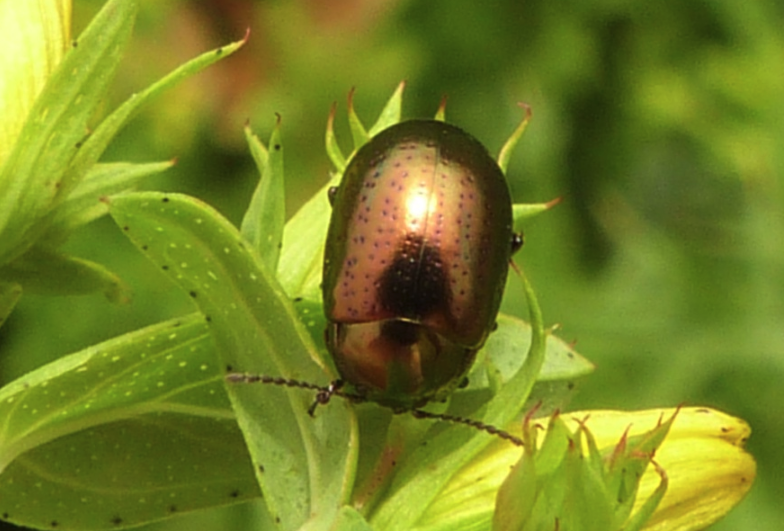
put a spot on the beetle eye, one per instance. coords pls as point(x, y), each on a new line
point(517, 241)
point(331, 193)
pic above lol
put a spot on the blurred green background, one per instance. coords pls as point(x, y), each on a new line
point(661, 125)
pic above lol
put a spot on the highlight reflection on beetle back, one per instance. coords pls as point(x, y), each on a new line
point(420, 233)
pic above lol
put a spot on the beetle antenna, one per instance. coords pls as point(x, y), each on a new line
point(325, 393)
point(488, 428)
point(241, 377)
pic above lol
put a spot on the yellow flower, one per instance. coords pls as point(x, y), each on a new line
point(705, 469)
point(35, 36)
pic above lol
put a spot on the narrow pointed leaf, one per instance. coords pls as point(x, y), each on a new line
point(390, 114)
point(34, 177)
point(506, 151)
point(263, 222)
point(358, 131)
point(85, 203)
point(304, 465)
point(97, 142)
point(45, 271)
point(334, 152)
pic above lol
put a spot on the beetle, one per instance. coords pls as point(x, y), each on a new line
point(417, 254)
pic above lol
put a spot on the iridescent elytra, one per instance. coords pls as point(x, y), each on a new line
point(417, 254)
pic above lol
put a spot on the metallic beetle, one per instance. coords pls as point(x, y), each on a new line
point(416, 260)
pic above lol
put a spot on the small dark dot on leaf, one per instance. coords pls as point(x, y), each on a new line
point(297, 299)
point(5, 516)
point(126, 228)
point(219, 51)
point(208, 318)
point(117, 520)
point(54, 523)
point(144, 247)
point(234, 494)
point(75, 44)
point(78, 145)
point(172, 508)
point(277, 147)
point(165, 267)
point(229, 368)
point(192, 294)
point(165, 200)
point(277, 519)
point(261, 468)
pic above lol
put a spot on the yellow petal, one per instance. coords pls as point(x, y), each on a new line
point(709, 471)
point(35, 34)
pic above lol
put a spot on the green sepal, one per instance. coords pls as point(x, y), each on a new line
point(358, 131)
point(334, 152)
point(570, 484)
point(506, 151)
point(47, 271)
point(391, 113)
point(262, 224)
point(522, 212)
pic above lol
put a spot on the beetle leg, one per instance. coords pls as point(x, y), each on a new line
point(324, 395)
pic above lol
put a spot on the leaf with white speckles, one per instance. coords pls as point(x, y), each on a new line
point(305, 465)
point(133, 430)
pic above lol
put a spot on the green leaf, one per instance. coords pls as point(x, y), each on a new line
point(129, 431)
point(304, 465)
point(96, 143)
point(85, 203)
point(33, 178)
point(334, 152)
point(263, 222)
point(49, 272)
point(10, 292)
point(299, 270)
point(513, 336)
